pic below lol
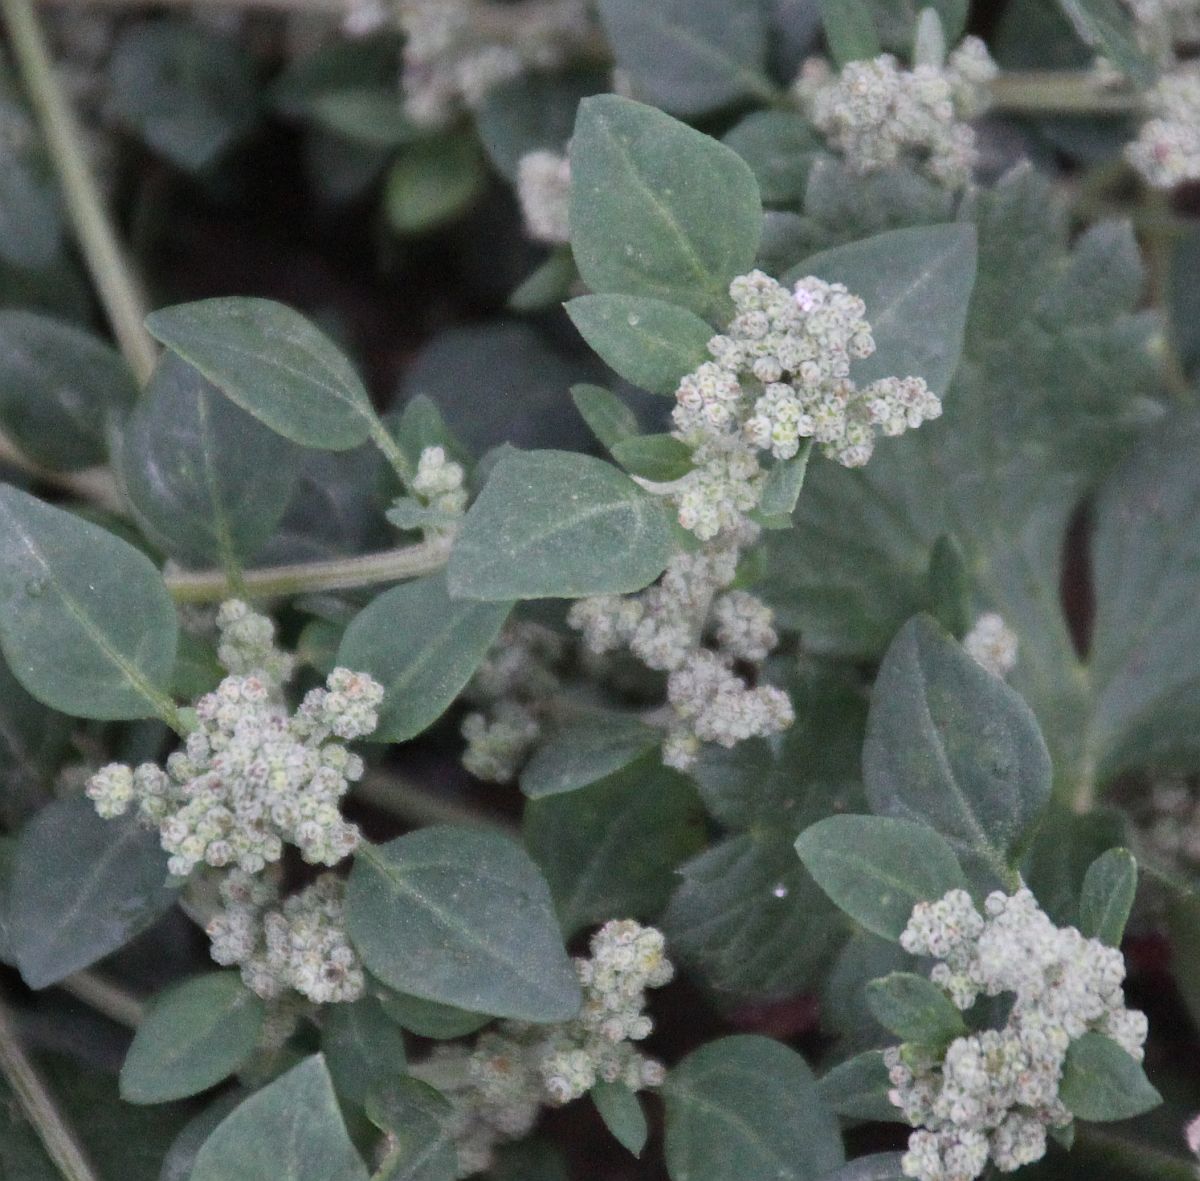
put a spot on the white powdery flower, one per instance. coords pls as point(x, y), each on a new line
point(992, 644)
point(439, 481)
point(992, 1095)
point(544, 190)
point(1167, 149)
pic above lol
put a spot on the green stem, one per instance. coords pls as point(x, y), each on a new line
point(1160, 234)
point(118, 289)
point(105, 997)
point(1134, 1158)
point(391, 452)
point(38, 1105)
point(1067, 92)
point(394, 565)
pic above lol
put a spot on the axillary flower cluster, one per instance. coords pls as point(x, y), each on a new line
point(499, 1085)
point(992, 1095)
point(250, 779)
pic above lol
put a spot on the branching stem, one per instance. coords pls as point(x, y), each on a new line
point(1064, 92)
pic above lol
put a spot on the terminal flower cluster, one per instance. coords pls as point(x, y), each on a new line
point(992, 644)
point(544, 190)
point(299, 944)
point(780, 374)
point(670, 626)
point(1167, 149)
point(992, 1095)
point(499, 1086)
point(878, 114)
point(456, 51)
point(439, 496)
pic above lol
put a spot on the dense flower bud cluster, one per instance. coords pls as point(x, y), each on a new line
point(991, 1095)
point(544, 190)
point(1167, 149)
point(456, 51)
point(499, 1086)
point(992, 644)
point(1161, 25)
point(439, 496)
point(877, 113)
point(299, 945)
point(666, 627)
point(780, 374)
point(510, 685)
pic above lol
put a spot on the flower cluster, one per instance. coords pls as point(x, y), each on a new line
point(517, 675)
point(780, 374)
point(878, 114)
point(992, 644)
point(456, 51)
point(544, 190)
point(300, 944)
point(1171, 823)
point(1167, 149)
point(991, 1095)
point(666, 627)
point(1161, 25)
point(499, 1086)
point(439, 496)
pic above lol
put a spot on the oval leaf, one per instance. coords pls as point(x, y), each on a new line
point(291, 1130)
point(86, 624)
point(914, 1008)
point(1101, 1082)
point(1109, 887)
point(422, 647)
point(585, 751)
point(622, 1113)
point(463, 918)
point(422, 1126)
point(552, 524)
point(363, 1048)
point(196, 1034)
point(275, 364)
point(858, 1089)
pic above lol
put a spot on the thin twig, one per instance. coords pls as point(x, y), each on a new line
point(118, 288)
point(1064, 92)
point(105, 997)
point(38, 1104)
point(395, 565)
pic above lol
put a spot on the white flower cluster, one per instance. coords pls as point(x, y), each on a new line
point(498, 1087)
point(1167, 149)
point(993, 1094)
point(439, 496)
point(1161, 25)
point(780, 374)
point(666, 627)
point(992, 644)
point(544, 190)
point(456, 51)
point(299, 945)
point(877, 113)
point(1172, 822)
point(517, 675)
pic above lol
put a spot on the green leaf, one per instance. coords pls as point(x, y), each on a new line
point(858, 1089)
point(419, 425)
point(1109, 889)
point(608, 418)
point(585, 751)
point(690, 56)
point(421, 1126)
point(649, 342)
point(1061, 852)
point(463, 918)
point(433, 181)
point(363, 1048)
point(1109, 29)
point(86, 624)
point(1101, 1082)
point(658, 209)
point(195, 1034)
point(915, 1009)
point(879, 1166)
point(950, 586)
point(849, 30)
point(781, 489)
point(423, 647)
point(747, 1109)
point(877, 869)
point(181, 1156)
point(81, 888)
point(367, 115)
point(864, 957)
point(622, 1113)
point(917, 286)
point(614, 846)
point(952, 746)
point(33, 744)
point(653, 457)
point(208, 482)
point(275, 364)
point(552, 524)
point(749, 921)
point(780, 147)
point(428, 1018)
point(291, 1130)
point(59, 386)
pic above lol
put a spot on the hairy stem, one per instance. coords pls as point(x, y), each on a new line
point(1068, 92)
point(119, 290)
point(106, 998)
point(38, 1105)
point(394, 565)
